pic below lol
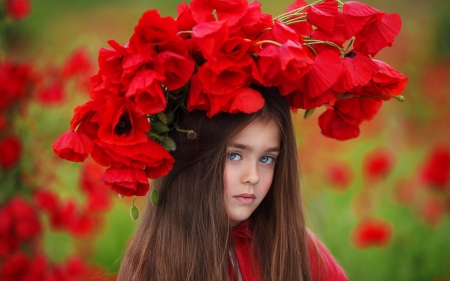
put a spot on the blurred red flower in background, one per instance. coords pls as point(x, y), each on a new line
point(436, 169)
point(17, 9)
point(340, 175)
point(372, 232)
point(79, 63)
point(18, 223)
point(10, 151)
point(378, 164)
point(98, 195)
point(432, 210)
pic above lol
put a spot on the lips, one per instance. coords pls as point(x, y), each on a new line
point(245, 198)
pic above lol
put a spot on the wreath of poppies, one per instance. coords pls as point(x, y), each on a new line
point(318, 54)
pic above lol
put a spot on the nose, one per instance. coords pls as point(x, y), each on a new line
point(250, 174)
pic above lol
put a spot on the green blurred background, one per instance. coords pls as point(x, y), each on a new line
point(418, 250)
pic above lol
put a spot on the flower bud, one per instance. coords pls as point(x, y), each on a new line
point(170, 116)
point(308, 113)
point(162, 117)
point(160, 127)
point(134, 212)
point(191, 134)
point(154, 197)
point(400, 98)
point(168, 143)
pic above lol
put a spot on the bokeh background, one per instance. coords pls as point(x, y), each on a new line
point(380, 203)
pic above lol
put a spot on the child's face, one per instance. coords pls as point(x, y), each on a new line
point(249, 168)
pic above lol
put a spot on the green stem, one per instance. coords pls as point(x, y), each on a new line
point(184, 32)
point(288, 14)
point(312, 42)
point(294, 21)
point(267, 41)
point(349, 44)
point(2, 39)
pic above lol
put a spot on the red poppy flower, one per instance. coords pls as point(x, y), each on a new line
point(283, 66)
point(301, 27)
point(324, 74)
point(339, 34)
point(230, 10)
point(184, 21)
point(149, 154)
point(294, 61)
point(210, 36)
point(17, 9)
point(73, 146)
point(372, 232)
point(177, 69)
point(357, 70)
point(244, 100)
point(297, 99)
point(378, 164)
point(87, 117)
point(11, 149)
point(121, 124)
point(340, 175)
point(110, 61)
point(197, 99)
point(101, 88)
point(126, 181)
point(358, 16)
point(254, 21)
point(224, 76)
point(387, 81)
point(322, 15)
point(333, 125)
point(436, 168)
point(281, 33)
point(375, 37)
point(153, 30)
point(146, 90)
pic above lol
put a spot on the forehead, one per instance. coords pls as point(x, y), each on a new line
point(259, 133)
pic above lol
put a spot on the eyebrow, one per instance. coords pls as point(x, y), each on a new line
point(244, 147)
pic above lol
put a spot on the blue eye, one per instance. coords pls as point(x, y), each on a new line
point(267, 159)
point(233, 156)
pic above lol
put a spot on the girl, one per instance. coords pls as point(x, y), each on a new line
point(229, 200)
point(230, 209)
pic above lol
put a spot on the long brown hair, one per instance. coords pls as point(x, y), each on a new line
point(186, 236)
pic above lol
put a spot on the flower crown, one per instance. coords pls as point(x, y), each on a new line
point(208, 58)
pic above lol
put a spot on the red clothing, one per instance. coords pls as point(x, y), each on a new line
point(323, 266)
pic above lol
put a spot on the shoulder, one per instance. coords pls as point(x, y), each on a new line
point(323, 265)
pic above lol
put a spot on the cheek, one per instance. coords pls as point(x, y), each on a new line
point(228, 179)
point(267, 183)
